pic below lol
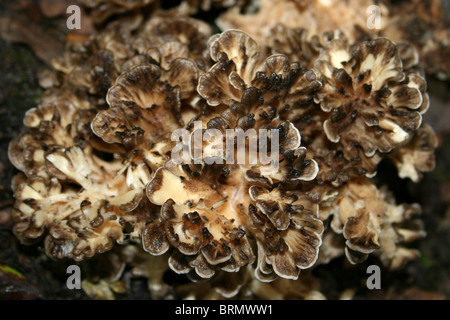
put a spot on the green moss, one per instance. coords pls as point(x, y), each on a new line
point(427, 261)
point(8, 269)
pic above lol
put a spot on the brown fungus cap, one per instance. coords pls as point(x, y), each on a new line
point(371, 103)
point(69, 194)
point(191, 32)
point(91, 67)
point(145, 103)
point(80, 223)
point(416, 157)
point(294, 43)
point(198, 220)
point(424, 25)
point(102, 10)
point(49, 126)
point(318, 16)
point(211, 212)
point(342, 138)
point(371, 222)
point(240, 66)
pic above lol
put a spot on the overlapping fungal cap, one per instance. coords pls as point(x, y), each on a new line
point(243, 285)
point(69, 193)
point(152, 96)
point(102, 10)
point(145, 103)
point(210, 210)
point(400, 228)
point(93, 73)
point(424, 25)
point(165, 38)
point(285, 252)
point(206, 219)
point(190, 7)
point(318, 16)
point(99, 168)
point(241, 66)
point(145, 108)
point(336, 169)
point(199, 222)
point(294, 43)
point(416, 157)
point(63, 159)
point(372, 105)
point(91, 67)
point(338, 160)
point(50, 126)
point(371, 222)
point(79, 223)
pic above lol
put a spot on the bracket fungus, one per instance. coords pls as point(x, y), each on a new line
point(99, 166)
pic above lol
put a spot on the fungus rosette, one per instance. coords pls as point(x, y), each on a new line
point(425, 25)
point(67, 193)
point(88, 69)
point(373, 104)
point(165, 38)
point(258, 17)
point(371, 222)
point(295, 43)
point(145, 107)
point(84, 191)
point(417, 156)
point(145, 103)
point(213, 212)
point(354, 127)
point(219, 158)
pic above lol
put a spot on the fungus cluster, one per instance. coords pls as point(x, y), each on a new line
point(97, 155)
point(422, 23)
